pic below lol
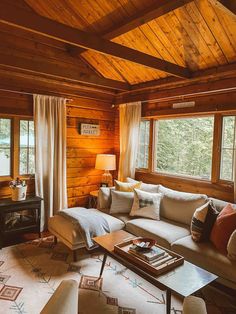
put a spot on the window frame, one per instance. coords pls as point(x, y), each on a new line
point(223, 181)
point(15, 147)
point(28, 148)
point(216, 149)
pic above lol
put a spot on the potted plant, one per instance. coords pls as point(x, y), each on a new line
point(18, 189)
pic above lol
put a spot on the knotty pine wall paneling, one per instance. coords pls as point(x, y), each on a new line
point(82, 177)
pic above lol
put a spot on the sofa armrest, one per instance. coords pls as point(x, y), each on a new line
point(194, 305)
point(64, 300)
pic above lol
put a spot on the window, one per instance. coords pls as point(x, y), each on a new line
point(183, 146)
point(143, 148)
point(5, 147)
point(26, 163)
point(16, 147)
point(227, 147)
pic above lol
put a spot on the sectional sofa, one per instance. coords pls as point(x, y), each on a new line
point(172, 231)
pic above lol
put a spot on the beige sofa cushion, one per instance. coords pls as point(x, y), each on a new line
point(206, 256)
point(163, 231)
point(219, 204)
point(123, 217)
point(180, 206)
point(66, 231)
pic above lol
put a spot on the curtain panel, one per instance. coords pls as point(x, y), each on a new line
point(130, 117)
point(50, 154)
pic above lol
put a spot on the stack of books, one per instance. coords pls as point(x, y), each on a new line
point(155, 256)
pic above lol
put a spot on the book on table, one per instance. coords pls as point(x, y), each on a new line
point(149, 255)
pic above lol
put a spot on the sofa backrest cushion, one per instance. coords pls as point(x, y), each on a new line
point(180, 206)
point(147, 187)
point(219, 204)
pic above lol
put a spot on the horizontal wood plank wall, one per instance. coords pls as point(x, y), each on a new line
point(224, 102)
point(82, 177)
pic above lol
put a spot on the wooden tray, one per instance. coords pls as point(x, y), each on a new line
point(123, 248)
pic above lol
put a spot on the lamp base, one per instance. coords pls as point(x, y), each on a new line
point(107, 178)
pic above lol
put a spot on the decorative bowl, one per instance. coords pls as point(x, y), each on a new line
point(147, 241)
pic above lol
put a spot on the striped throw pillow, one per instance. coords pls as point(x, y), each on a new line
point(202, 222)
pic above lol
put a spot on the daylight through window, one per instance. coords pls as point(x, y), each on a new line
point(183, 146)
point(5, 147)
point(26, 163)
point(228, 148)
point(143, 150)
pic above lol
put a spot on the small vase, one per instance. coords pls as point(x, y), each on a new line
point(18, 193)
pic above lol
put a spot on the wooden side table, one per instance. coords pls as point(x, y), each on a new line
point(19, 217)
point(93, 196)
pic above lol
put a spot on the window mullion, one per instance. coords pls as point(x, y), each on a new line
point(150, 153)
point(217, 151)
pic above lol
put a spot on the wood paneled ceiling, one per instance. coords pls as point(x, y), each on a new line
point(199, 35)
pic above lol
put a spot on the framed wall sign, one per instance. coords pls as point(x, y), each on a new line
point(89, 129)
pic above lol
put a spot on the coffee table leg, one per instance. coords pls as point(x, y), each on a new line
point(168, 301)
point(103, 264)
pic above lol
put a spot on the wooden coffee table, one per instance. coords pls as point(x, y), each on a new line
point(183, 280)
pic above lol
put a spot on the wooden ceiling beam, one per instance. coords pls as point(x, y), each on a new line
point(38, 67)
point(181, 92)
point(159, 8)
point(222, 77)
point(35, 23)
point(211, 73)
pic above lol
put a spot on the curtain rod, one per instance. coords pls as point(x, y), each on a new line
point(68, 100)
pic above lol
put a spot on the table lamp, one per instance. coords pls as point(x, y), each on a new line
point(106, 162)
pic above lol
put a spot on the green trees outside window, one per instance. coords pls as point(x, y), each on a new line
point(5, 147)
point(183, 146)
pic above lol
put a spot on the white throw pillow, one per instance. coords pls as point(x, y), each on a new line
point(231, 247)
point(146, 204)
point(180, 206)
point(152, 188)
point(121, 202)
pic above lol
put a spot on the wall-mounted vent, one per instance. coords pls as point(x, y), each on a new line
point(186, 104)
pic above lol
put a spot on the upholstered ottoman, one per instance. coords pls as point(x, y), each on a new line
point(64, 230)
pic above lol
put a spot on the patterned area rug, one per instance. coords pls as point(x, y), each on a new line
point(30, 273)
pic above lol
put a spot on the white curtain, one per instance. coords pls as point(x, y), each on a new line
point(50, 154)
point(130, 116)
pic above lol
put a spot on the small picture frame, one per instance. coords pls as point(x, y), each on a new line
point(104, 185)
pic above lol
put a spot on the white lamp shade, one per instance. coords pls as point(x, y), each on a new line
point(105, 162)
